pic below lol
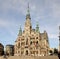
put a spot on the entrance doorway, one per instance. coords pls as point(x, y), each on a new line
point(26, 52)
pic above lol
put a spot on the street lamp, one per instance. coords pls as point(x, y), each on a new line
point(59, 44)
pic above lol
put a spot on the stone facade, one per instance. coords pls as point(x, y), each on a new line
point(31, 41)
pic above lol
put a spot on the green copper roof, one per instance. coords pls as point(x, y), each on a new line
point(37, 27)
point(20, 32)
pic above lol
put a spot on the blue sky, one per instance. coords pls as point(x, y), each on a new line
point(13, 14)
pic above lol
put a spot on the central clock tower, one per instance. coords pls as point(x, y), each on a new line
point(28, 26)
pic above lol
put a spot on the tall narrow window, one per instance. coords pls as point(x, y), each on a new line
point(27, 41)
point(18, 45)
point(36, 37)
point(31, 42)
point(37, 42)
point(26, 52)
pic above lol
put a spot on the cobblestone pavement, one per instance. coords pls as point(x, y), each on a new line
point(30, 57)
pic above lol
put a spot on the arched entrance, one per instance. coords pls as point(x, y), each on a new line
point(26, 52)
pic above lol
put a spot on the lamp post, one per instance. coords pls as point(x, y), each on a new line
point(59, 44)
point(59, 38)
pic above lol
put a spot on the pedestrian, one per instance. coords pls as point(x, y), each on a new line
point(59, 55)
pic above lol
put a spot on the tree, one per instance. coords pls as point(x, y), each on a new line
point(55, 51)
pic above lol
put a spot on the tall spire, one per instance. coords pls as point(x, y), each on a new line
point(20, 32)
point(37, 27)
point(28, 26)
point(28, 12)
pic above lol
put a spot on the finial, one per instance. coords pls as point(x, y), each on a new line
point(28, 5)
point(28, 9)
point(28, 13)
point(37, 23)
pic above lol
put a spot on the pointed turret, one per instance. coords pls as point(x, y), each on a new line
point(20, 32)
point(37, 27)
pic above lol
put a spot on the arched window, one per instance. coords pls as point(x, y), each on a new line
point(37, 42)
point(27, 41)
point(31, 42)
point(19, 45)
point(26, 52)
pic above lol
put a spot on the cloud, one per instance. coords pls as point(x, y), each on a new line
point(6, 23)
point(18, 5)
point(8, 26)
point(54, 36)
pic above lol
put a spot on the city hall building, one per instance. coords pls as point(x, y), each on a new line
point(30, 41)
